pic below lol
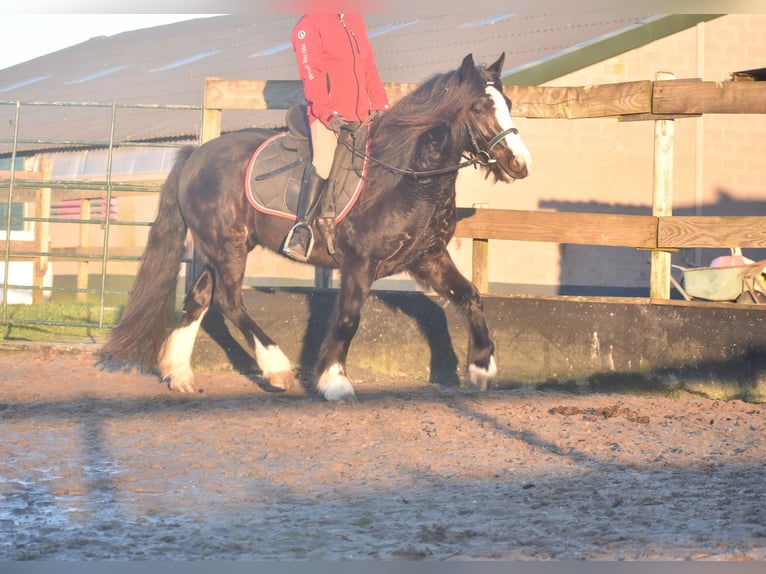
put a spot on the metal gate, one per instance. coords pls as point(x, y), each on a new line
point(37, 202)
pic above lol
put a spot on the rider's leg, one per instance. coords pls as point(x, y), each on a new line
point(300, 239)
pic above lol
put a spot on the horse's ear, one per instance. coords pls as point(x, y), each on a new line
point(466, 68)
point(497, 67)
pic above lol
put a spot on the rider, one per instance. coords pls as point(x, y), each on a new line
point(341, 84)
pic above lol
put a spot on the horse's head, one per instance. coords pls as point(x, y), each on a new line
point(496, 141)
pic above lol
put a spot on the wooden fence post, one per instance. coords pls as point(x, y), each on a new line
point(662, 197)
point(42, 231)
point(480, 259)
point(82, 265)
point(211, 117)
point(210, 129)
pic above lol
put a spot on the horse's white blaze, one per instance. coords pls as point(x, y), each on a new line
point(503, 115)
point(271, 359)
point(175, 356)
point(334, 385)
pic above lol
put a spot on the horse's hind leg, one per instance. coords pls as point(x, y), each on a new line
point(440, 273)
point(175, 355)
point(274, 364)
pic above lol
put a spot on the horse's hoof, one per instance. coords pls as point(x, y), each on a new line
point(334, 385)
point(178, 378)
point(284, 380)
point(181, 386)
point(275, 366)
point(479, 377)
point(341, 392)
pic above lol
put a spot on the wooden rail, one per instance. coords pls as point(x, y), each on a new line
point(663, 233)
point(659, 234)
point(653, 97)
point(644, 98)
point(616, 230)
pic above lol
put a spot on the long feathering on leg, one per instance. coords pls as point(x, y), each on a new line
point(138, 337)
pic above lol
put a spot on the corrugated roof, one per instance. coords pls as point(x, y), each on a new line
point(168, 64)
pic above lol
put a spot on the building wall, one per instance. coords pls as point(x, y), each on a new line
point(603, 165)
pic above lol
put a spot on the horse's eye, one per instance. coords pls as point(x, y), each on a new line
point(481, 105)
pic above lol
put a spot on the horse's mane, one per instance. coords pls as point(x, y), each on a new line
point(439, 102)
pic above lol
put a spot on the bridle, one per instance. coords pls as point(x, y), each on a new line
point(482, 157)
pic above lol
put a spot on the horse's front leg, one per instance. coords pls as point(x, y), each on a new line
point(331, 378)
point(440, 273)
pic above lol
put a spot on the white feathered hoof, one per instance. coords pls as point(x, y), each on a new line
point(176, 372)
point(180, 380)
point(174, 359)
point(479, 377)
point(275, 365)
point(334, 385)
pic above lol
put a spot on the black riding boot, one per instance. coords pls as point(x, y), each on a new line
point(300, 239)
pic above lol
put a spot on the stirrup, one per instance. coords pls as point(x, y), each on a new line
point(291, 251)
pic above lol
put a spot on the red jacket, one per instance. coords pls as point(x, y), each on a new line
point(337, 66)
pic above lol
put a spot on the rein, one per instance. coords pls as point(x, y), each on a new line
point(481, 157)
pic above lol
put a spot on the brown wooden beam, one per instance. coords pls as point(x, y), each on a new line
point(711, 231)
point(559, 227)
point(542, 101)
point(17, 245)
point(581, 102)
point(5, 175)
point(672, 97)
point(695, 97)
point(618, 230)
point(223, 94)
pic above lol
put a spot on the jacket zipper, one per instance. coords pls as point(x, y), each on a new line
point(351, 41)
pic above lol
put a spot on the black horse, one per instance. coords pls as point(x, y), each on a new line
point(403, 221)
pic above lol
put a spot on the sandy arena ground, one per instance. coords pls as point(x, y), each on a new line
point(102, 465)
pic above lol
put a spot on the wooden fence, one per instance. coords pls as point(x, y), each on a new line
point(662, 101)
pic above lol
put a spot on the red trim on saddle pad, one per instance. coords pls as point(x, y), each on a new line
point(248, 189)
point(253, 200)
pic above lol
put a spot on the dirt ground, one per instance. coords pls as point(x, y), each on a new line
point(103, 465)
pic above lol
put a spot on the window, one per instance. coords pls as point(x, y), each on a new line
point(17, 217)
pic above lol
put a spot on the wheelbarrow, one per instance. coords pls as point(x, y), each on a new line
point(729, 278)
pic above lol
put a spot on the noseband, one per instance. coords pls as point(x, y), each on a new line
point(484, 157)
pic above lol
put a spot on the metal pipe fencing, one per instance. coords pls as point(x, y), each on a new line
point(34, 200)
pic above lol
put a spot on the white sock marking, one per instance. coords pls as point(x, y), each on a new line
point(334, 385)
point(271, 359)
point(175, 356)
point(479, 377)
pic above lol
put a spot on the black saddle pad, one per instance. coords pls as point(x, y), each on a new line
point(273, 178)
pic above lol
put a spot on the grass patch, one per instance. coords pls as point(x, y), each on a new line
point(57, 322)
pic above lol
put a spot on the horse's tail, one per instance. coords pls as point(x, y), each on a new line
point(143, 327)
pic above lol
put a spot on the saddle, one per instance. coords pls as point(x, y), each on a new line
point(273, 177)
